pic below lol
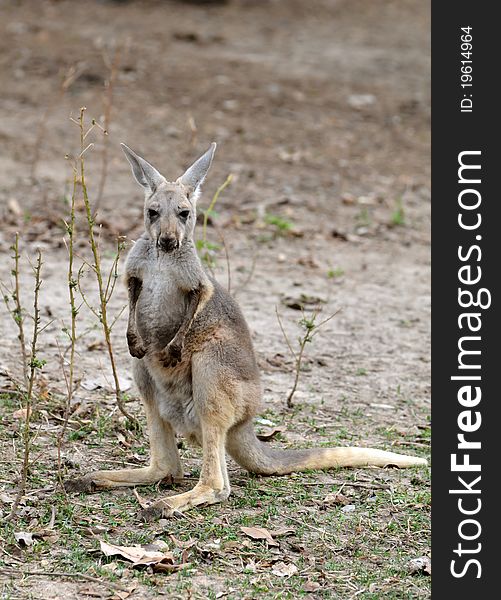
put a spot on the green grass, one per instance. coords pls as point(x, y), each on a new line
point(366, 550)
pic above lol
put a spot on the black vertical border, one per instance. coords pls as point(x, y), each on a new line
point(453, 132)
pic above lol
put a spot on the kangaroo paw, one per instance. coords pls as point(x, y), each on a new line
point(171, 355)
point(136, 347)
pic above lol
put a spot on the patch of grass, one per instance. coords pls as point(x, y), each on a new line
point(367, 549)
point(363, 218)
point(398, 215)
point(335, 273)
point(281, 225)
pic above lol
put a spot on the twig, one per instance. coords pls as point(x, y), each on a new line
point(72, 284)
point(109, 85)
point(212, 204)
point(310, 330)
point(103, 298)
point(17, 312)
point(34, 364)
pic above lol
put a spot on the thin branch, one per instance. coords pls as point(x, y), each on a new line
point(286, 337)
point(109, 86)
point(99, 277)
point(34, 364)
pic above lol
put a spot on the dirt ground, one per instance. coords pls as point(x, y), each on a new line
point(321, 114)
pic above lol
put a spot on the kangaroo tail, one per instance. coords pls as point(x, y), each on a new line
point(257, 457)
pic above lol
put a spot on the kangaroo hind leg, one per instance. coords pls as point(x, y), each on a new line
point(164, 455)
point(212, 399)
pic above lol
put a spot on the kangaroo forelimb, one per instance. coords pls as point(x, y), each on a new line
point(172, 353)
point(134, 341)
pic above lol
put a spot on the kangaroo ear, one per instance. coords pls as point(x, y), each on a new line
point(144, 173)
point(195, 175)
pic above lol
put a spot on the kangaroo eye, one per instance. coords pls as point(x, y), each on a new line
point(184, 214)
point(153, 214)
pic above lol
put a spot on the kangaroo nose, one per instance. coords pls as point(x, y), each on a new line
point(167, 243)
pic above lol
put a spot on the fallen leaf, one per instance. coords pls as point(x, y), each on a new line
point(282, 569)
point(14, 207)
point(23, 538)
point(180, 544)
point(91, 592)
point(138, 555)
point(20, 414)
point(141, 501)
point(311, 586)
point(421, 564)
point(335, 498)
point(261, 421)
point(123, 595)
point(259, 533)
point(265, 436)
point(90, 384)
point(6, 499)
point(282, 531)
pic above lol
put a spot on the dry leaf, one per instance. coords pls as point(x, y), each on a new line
point(261, 421)
point(281, 531)
point(123, 595)
point(335, 498)
point(282, 569)
point(23, 538)
point(20, 414)
point(141, 501)
point(311, 586)
point(180, 544)
point(6, 499)
point(138, 555)
point(259, 533)
point(420, 565)
point(265, 436)
point(91, 592)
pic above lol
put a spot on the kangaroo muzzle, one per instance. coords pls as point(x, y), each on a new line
point(167, 243)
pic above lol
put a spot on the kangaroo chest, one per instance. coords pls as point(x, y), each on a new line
point(160, 308)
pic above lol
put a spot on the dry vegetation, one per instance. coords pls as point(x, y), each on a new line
point(321, 112)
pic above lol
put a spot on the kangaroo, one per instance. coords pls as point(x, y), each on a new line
point(193, 359)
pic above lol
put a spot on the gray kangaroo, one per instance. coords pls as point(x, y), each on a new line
point(194, 363)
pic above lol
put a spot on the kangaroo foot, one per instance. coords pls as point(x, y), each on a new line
point(105, 480)
point(167, 507)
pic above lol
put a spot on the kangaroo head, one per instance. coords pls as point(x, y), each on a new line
point(169, 207)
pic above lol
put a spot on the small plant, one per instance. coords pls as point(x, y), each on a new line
point(71, 332)
point(105, 284)
point(33, 365)
point(398, 215)
point(282, 226)
point(15, 310)
point(309, 328)
point(335, 273)
point(363, 218)
point(208, 249)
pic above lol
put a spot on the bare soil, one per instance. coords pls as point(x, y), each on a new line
point(321, 113)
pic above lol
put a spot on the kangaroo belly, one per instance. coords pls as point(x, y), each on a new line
point(159, 311)
point(174, 396)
